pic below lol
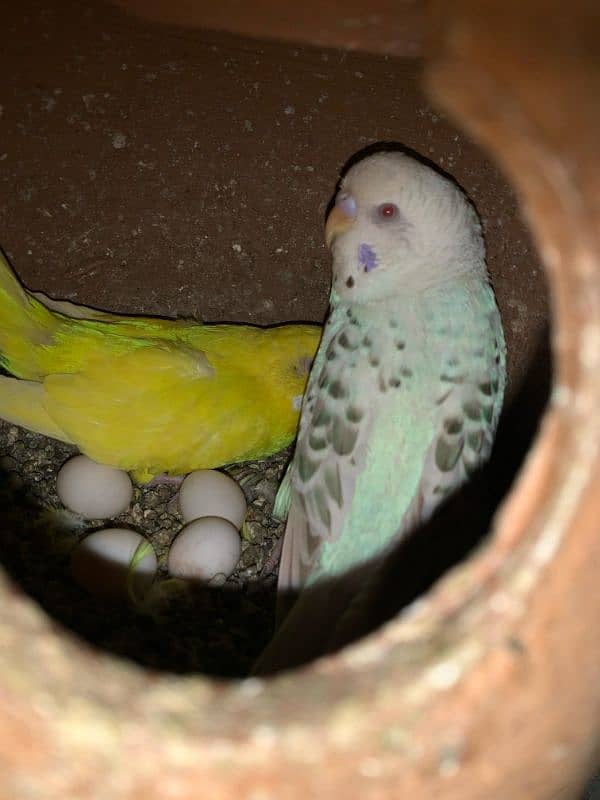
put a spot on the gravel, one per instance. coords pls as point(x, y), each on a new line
point(181, 627)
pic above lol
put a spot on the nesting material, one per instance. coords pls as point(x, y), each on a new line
point(93, 490)
point(192, 626)
point(207, 549)
point(208, 493)
point(114, 563)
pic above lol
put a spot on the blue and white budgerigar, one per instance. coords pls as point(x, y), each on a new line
point(405, 392)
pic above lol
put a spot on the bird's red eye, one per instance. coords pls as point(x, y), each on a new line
point(387, 210)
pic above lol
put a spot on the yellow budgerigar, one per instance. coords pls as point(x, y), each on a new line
point(148, 395)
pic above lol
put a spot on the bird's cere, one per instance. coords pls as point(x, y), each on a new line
point(346, 205)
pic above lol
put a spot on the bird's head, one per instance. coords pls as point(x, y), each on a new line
point(287, 358)
point(398, 225)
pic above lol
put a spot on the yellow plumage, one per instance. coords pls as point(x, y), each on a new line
point(149, 395)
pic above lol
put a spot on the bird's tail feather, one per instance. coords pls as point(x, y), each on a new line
point(25, 323)
point(283, 499)
point(21, 402)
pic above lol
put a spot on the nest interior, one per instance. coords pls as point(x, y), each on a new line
point(165, 170)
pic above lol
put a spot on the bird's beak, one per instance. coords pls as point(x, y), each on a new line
point(341, 217)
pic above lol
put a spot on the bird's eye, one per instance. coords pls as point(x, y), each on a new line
point(387, 211)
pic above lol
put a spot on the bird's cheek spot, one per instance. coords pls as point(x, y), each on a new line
point(367, 257)
point(350, 282)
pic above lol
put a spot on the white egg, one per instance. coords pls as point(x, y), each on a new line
point(208, 493)
point(103, 563)
point(205, 549)
point(93, 490)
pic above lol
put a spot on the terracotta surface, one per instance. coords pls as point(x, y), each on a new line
point(489, 686)
point(383, 26)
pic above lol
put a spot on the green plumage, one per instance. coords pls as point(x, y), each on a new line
point(385, 406)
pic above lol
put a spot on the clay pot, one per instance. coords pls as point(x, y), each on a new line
point(488, 686)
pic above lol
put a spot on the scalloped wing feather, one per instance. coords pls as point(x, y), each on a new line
point(350, 384)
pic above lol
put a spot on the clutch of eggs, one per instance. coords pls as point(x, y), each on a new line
point(109, 562)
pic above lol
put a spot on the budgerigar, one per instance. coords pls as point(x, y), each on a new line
point(149, 395)
point(404, 395)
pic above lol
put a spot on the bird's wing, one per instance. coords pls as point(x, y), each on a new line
point(22, 403)
point(350, 385)
point(472, 356)
point(129, 406)
point(323, 469)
